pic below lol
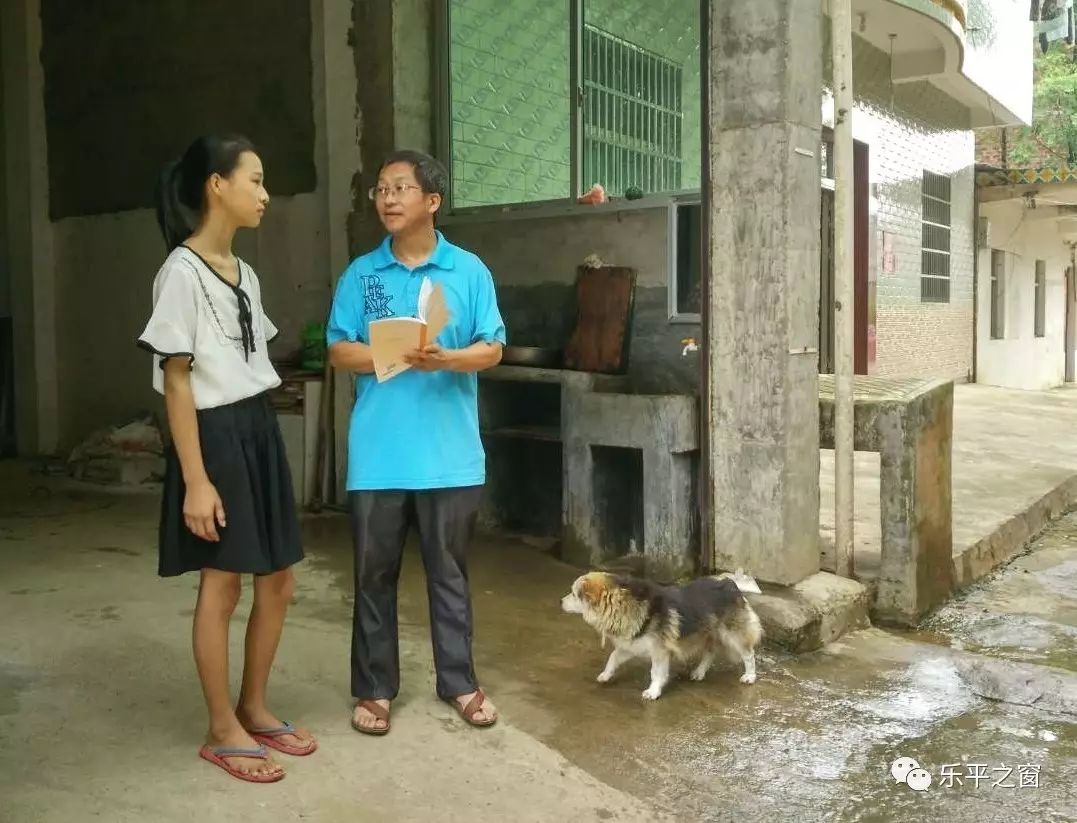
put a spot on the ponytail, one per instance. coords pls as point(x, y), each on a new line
point(171, 216)
point(181, 183)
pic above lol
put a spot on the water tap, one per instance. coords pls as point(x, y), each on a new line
point(689, 345)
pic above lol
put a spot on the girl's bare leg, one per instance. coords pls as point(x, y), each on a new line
point(218, 595)
point(272, 594)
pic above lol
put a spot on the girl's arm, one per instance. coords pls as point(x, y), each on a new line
point(202, 507)
point(353, 357)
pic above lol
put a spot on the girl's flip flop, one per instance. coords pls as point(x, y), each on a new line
point(269, 738)
point(216, 755)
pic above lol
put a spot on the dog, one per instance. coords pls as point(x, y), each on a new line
point(687, 624)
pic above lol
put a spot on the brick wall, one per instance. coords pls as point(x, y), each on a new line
point(990, 149)
point(993, 151)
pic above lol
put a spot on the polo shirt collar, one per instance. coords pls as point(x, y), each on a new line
point(442, 256)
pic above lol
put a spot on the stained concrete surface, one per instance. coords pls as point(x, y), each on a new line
point(1014, 460)
point(1026, 612)
point(100, 713)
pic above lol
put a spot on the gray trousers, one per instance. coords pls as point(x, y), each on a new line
point(445, 520)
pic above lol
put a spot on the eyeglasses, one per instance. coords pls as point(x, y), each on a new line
point(398, 189)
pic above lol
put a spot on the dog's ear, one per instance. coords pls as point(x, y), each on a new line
point(591, 589)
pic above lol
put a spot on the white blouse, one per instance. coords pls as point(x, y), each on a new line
point(221, 328)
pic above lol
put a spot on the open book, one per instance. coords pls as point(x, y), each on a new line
point(393, 337)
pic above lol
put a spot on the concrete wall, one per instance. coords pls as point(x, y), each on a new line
point(29, 232)
point(5, 264)
point(131, 84)
point(91, 276)
point(1020, 360)
point(104, 269)
point(535, 260)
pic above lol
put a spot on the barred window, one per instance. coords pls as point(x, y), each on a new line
point(935, 239)
point(633, 113)
point(539, 101)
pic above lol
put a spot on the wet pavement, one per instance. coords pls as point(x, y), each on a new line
point(93, 637)
point(1027, 612)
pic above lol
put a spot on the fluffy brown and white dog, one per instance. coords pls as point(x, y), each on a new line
point(689, 624)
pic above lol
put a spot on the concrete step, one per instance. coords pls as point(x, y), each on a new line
point(812, 613)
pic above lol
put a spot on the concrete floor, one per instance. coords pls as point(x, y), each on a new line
point(101, 716)
point(1011, 450)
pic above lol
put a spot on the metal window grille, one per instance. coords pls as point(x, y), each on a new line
point(632, 116)
point(935, 239)
point(1041, 299)
point(998, 294)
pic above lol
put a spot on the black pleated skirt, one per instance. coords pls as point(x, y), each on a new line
point(245, 459)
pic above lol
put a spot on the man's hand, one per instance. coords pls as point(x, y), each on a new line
point(431, 358)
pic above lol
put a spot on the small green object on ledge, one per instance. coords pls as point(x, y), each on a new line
point(314, 347)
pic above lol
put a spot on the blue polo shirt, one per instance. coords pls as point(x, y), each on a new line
point(419, 430)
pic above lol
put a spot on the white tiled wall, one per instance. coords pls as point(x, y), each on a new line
point(911, 128)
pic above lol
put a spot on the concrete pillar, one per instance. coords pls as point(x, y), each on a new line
point(392, 52)
point(916, 505)
point(29, 229)
point(338, 161)
point(413, 93)
point(762, 87)
point(391, 45)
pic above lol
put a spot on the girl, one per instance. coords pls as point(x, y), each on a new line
point(228, 507)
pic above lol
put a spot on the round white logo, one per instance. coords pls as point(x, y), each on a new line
point(918, 780)
point(901, 767)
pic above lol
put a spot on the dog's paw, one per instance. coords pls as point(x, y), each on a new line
point(747, 678)
point(653, 693)
point(698, 675)
point(605, 677)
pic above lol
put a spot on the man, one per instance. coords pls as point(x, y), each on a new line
point(414, 452)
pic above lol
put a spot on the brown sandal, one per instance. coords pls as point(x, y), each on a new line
point(380, 713)
point(468, 712)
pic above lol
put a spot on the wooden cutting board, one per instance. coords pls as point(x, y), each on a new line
point(604, 303)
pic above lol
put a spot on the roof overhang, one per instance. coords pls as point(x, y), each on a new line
point(958, 51)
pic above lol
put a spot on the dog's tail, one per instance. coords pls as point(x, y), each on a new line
point(745, 582)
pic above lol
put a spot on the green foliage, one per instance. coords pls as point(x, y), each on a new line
point(1052, 139)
